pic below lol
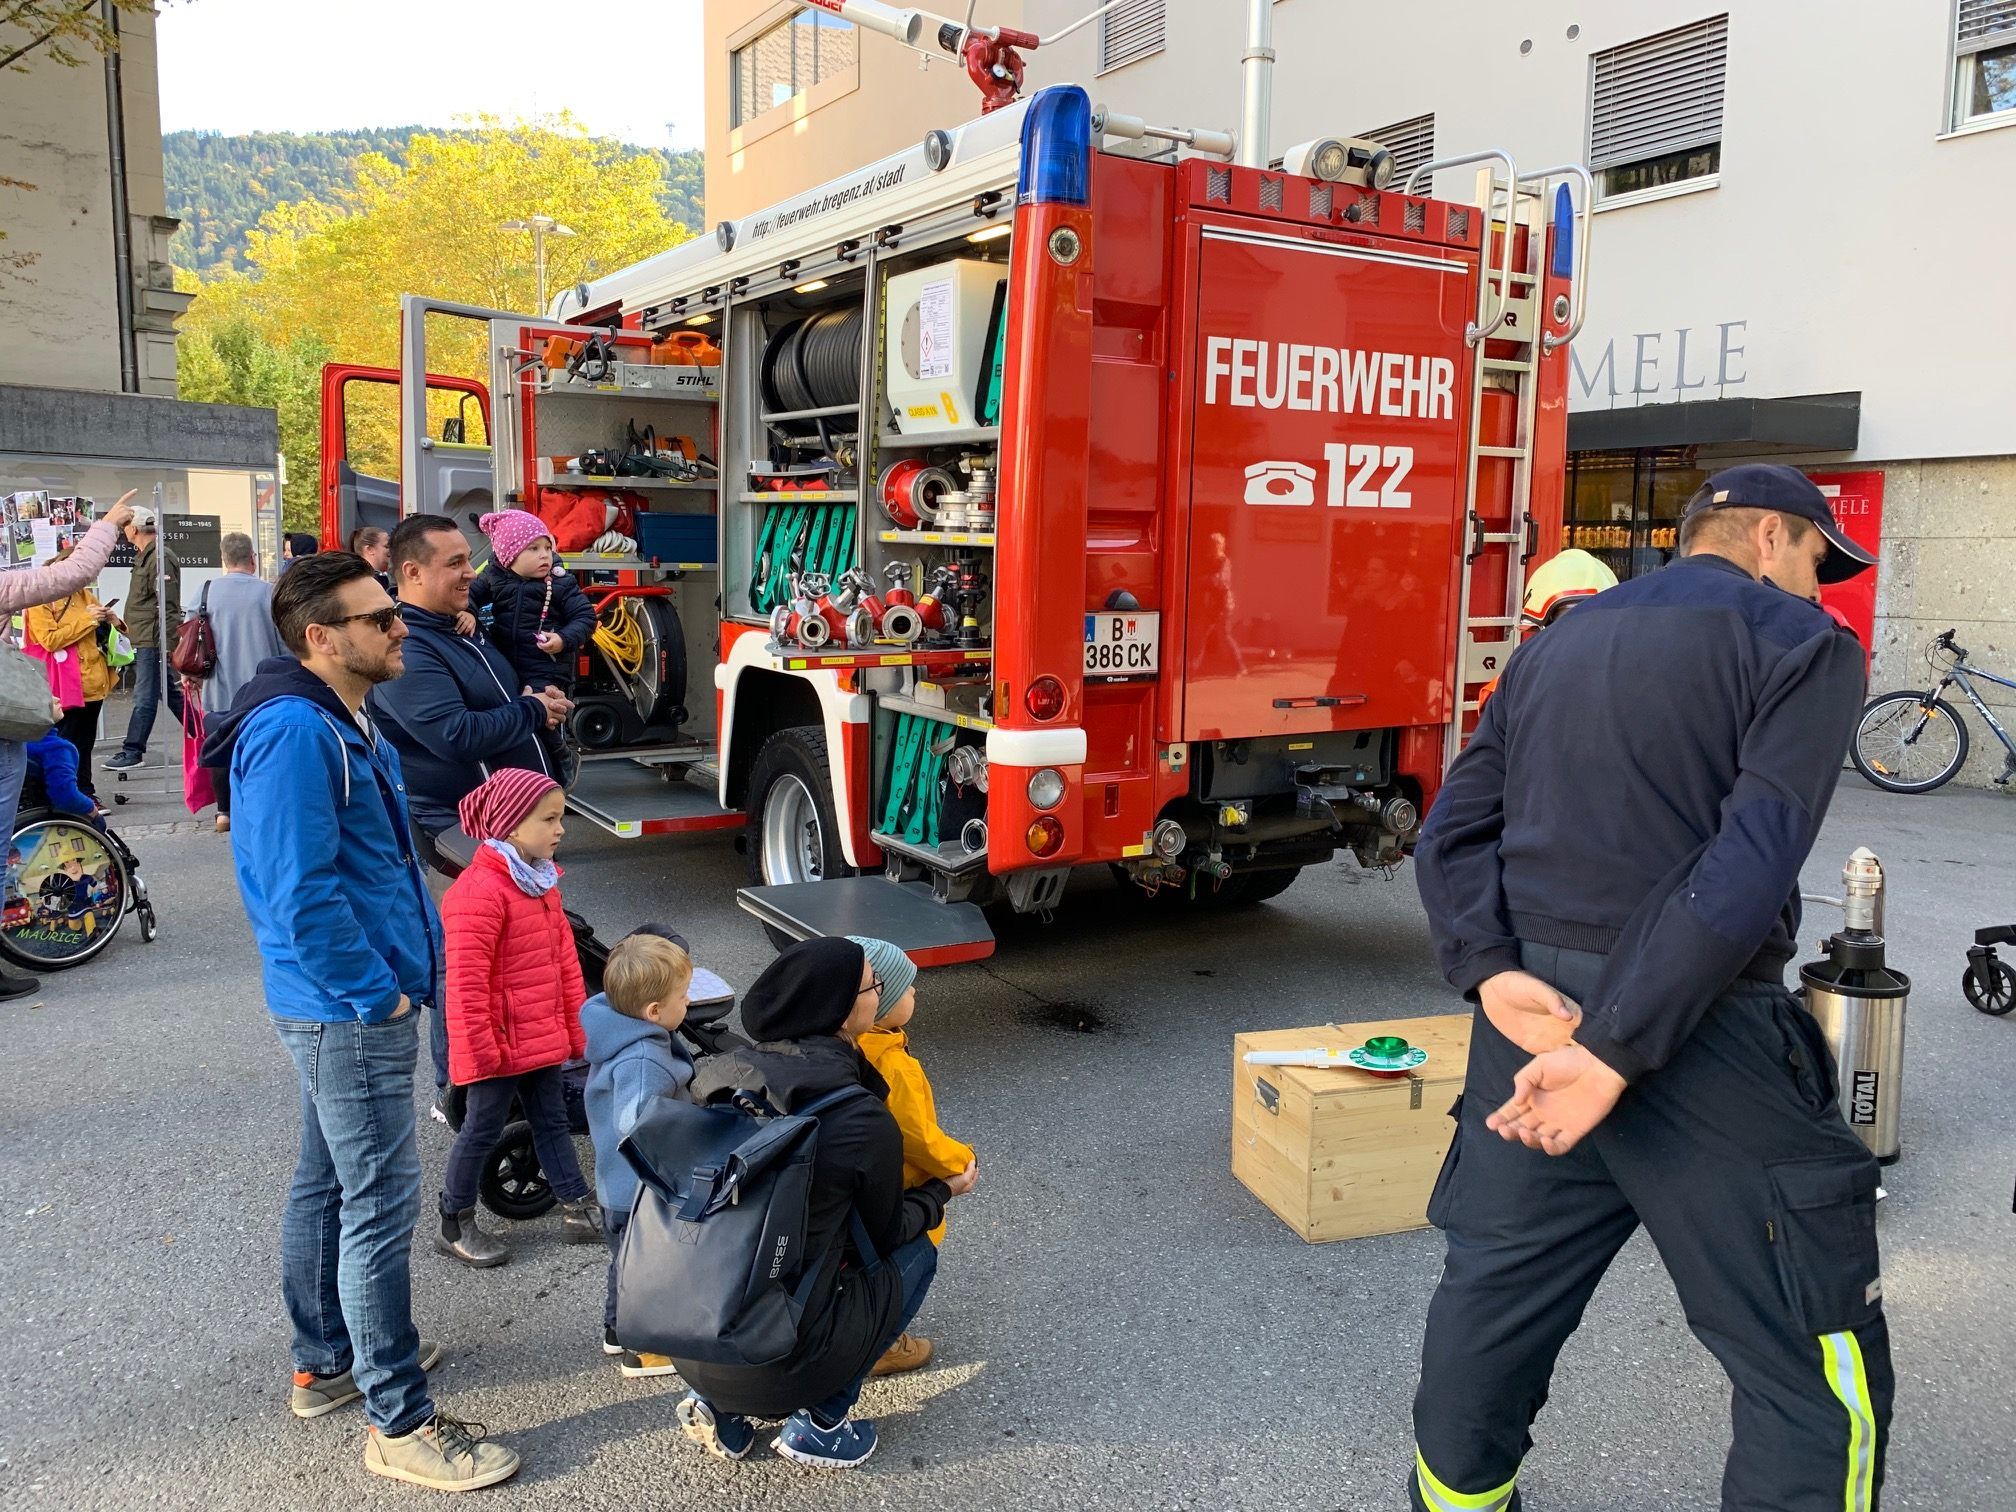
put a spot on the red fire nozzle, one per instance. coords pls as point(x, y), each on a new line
point(995, 67)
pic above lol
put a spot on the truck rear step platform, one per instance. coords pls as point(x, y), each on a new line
point(904, 913)
point(630, 800)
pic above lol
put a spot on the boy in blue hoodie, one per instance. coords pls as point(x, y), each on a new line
point(632, 1060)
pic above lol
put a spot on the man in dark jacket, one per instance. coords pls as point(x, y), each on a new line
point(460, 712)
point(806, 1011)
point(143, 628)
point(349, 943)
point(1612, 872)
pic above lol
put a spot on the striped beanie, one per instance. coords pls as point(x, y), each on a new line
point(500, 805)
point(893, 969)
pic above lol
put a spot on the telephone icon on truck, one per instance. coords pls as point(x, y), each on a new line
point(1280, 483)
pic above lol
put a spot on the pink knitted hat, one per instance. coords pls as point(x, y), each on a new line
point(500, 805)
point(511, 531)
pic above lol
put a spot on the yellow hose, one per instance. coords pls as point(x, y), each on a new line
point(620, 637)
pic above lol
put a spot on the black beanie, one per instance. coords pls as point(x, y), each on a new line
point(809, 989)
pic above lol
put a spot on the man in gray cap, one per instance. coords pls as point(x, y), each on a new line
point(1612, 873)
point(143, 628)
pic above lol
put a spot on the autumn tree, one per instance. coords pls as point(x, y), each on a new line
point(328, 276)
point(70, 30)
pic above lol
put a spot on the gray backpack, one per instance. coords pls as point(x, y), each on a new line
point(713, 1266)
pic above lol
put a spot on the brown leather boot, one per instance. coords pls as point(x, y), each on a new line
point(909, 1352)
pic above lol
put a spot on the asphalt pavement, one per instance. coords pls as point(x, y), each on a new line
point(1119, 1323)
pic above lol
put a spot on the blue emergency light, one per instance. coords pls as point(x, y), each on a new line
point(1564, 232)
point(1056, 148)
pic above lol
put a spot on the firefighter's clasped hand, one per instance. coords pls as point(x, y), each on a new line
point(1528, 1011)
point(1557, 1098)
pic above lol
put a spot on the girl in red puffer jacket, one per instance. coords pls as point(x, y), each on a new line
point(514, 1006)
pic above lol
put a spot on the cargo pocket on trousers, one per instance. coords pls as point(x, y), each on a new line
point(1445, 1179)
point(1823, 1234)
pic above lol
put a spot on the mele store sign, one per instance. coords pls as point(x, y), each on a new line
point(1660, 367)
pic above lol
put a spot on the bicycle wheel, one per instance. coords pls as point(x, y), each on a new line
point(65, 897)
point(1909, 742)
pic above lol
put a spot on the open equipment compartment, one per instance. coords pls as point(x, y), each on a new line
point(633, 431)
point(929, 530)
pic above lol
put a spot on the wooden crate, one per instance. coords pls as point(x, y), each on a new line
point(1341, 1154)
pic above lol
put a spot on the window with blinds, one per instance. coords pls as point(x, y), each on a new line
point(1412, 143)
point(1655, 110)
point(1132, 30)
point(1984, 61)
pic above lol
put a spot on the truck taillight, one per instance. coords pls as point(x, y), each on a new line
point(1046, 836)
point(1045, 698)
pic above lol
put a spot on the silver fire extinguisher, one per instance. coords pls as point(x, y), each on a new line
point(1859, 1004)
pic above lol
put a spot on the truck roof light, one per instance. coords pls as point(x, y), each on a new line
point(1056, 148)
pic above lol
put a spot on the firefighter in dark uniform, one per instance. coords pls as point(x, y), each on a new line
point(1612, 874)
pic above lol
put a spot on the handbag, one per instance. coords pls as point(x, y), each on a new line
point(24, 696)
point(199, 790)
point(118, 646)
point(195, 652)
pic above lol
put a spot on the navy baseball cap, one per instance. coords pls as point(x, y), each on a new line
point(1788, 491)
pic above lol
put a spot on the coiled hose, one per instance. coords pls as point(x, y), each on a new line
point(620, 637)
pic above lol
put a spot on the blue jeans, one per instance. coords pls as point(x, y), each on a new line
point(916, 1263)
point(13, 770)
point(486, 1110)
point(147, 669)
point(346, 1240)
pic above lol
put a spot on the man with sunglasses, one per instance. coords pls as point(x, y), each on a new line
point(350, 944)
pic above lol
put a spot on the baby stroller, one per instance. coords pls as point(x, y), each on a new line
point(70, 884)
point(512, 1184)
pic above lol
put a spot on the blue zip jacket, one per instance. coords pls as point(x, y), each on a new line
point(630, 1062)
point(324, 852)
point(54, 760)
point(1645, 784)
point(455, 716)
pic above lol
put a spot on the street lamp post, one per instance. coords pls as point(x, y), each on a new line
point(541, 227)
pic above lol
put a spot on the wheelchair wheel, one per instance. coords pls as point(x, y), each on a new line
point(2000, 997)
point(67, 892)
point(512, 1185)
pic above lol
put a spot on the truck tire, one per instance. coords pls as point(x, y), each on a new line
point(1262, 885)
point(794, 834)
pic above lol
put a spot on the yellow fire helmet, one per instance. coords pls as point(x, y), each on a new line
point(1560, 582)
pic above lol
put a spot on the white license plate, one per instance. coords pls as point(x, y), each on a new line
point(1122, 647)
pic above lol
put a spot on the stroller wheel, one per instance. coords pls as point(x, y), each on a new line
point(512, 1185)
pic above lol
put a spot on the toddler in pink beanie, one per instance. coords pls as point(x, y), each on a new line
point(531, 611)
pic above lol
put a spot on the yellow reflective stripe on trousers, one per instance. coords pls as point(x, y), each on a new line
point(1843, 1355)
point(1442, 1499)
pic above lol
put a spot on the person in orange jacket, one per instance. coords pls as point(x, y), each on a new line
point(928, 1151)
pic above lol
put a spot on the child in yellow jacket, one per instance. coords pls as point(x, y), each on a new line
point(928, 1151)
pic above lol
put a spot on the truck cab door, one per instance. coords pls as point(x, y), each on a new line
point(361, 468)
point(441, 471)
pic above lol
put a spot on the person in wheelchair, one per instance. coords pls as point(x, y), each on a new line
point(51, 781)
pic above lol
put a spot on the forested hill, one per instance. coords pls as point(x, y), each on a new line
point(219, 186)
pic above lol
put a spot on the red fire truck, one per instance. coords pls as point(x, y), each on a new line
point(1039, 507)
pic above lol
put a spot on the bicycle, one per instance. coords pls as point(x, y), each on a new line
point(1913, 740)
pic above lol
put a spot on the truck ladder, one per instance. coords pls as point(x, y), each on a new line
point(1504, 315)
